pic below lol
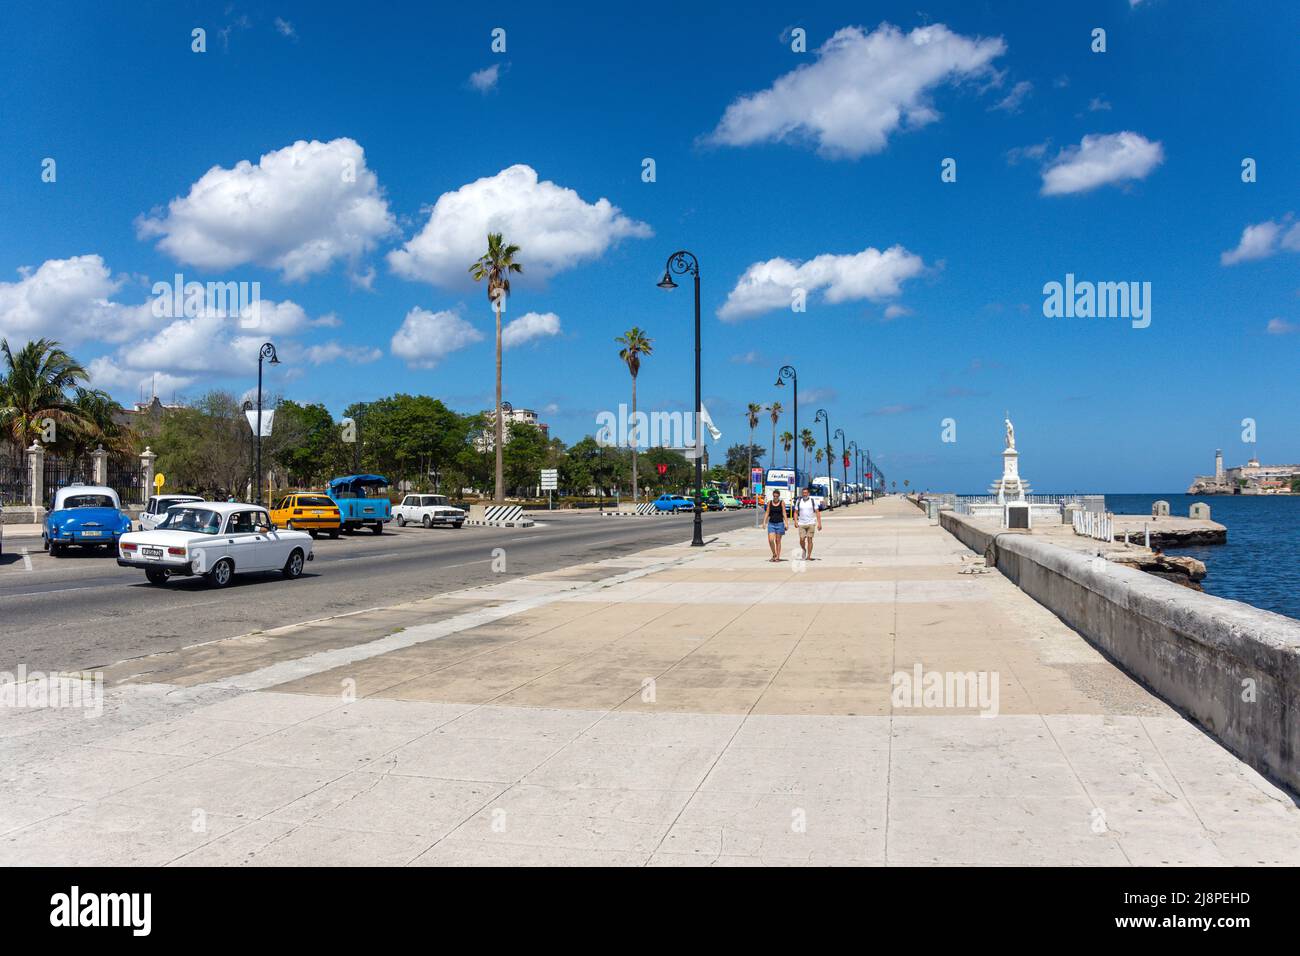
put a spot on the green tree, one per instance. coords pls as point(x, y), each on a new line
point(495, 266)
point(752, 412)
point(36, 386)
point(808, 442)
point(204, 448)
point(635, 343)
point(787, 442)
point(775, 409)
point(525, 455)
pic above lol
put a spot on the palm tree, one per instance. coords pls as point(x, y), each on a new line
point(751, 415)
point(34, 386)
point(809, 443)
point(787, 440)
point(98, 425)
point(635, 344)
point(820, 455)
point(776, 410)
point(495, 266)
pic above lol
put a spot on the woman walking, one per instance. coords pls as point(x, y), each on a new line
point(775, 524)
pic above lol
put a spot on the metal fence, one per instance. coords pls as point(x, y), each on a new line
point(61, 472)
point(15, 481)
point(964, 502)
point(127, 480)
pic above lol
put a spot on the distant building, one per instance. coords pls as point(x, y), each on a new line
point(1251, 478)
point(522, 416)
point(142, 412)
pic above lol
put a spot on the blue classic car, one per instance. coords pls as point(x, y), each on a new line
point(363, 502)
point(85, 515)
point(674, 503)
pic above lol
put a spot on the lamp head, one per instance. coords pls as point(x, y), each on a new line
point(667, 281)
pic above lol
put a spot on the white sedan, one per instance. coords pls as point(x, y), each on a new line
point(428, 510)
point(155, 508)
point(214, 540)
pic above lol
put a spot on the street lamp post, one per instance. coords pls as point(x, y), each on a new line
point(844, 458)
point(681, 263)
point(824, 416)
point(267, 351)
point(788, 372)
point(248, 407)
point(857, 472)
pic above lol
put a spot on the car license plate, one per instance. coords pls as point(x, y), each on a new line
point(92, 534)
point(318, 514)
point(153, 554)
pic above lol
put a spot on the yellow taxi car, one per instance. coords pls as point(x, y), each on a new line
point(307, 511)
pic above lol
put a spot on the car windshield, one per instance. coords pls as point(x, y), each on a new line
point(88, 501)
point(199, 520)
point(314, 501)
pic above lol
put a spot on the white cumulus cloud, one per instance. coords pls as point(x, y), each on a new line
point(533, 325)
point(1262, 240)
point(486, 79)
point(425, 337)
point(1101, 159)
point(68, 300)
point(869, 274)
point(555, 228)
point(297, 210)
point(861, 88)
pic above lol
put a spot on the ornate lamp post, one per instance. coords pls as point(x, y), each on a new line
point(844, 459)
point(788, 372)
point(248, 407)
point(824, 416)
point(267, 351)
point(682, 263)
point(857, 470)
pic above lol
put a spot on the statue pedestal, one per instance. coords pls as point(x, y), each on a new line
point(1010, 487)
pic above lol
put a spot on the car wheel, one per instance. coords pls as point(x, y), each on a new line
point(334, 534)
point(312, 532)
point(156, 576)
point(457, 524)
point(293, 567)
point(426, 521)
point(221, 574)
point(401, 521)
point(378, 527)
point(56, 549)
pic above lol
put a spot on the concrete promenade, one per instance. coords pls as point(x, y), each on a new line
point(677, 706)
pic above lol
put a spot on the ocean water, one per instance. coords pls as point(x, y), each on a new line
point(1260, 564)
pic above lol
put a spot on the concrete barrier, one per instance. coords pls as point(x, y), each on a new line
point(498, 516)
point(1232, 668)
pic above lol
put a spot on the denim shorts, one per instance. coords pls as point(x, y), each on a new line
point(776, 527)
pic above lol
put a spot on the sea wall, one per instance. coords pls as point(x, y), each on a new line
point(1232, 668)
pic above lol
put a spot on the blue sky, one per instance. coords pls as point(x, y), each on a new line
point(1117, 166)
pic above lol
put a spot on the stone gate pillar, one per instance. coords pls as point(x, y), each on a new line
point(147, 458)
point(99, 460)
point(36, 466)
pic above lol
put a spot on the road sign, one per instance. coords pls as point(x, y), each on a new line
point(756, 480)
point(158, 480)
point(662, 469)
point(550, 479)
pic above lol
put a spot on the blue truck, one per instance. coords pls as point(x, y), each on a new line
point(362, 501)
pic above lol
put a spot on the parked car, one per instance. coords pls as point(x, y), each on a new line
point(156, 507)
point(748, 501)
point(215, 540)
point(362, 501)
point(428, 510)
point(673, 503)
point(729, 502)
point(710, 500)
point(307, 511)
point(86, 516)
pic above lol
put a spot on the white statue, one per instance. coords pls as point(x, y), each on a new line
point(1011, 434)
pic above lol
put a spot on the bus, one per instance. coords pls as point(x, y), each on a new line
point(827, 492)
point(785, 480)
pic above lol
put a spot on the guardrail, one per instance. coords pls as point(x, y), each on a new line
point(1090, 524)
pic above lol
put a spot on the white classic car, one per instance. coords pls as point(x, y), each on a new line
point(215, 540)
point(156, 508)
point(427, 510)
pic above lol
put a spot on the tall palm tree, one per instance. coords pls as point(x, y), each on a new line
point(635, 344)
point(495, 266)
point(776, 410)
point(809, 443)
point(98, 425)
point(34, 387)
point(787, 440)
point(751, 414)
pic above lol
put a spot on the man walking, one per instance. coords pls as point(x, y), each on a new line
point(808, 518)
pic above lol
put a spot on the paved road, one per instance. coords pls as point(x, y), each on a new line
point(83, 611)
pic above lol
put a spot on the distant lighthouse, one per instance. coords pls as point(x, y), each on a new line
point(1218, 464)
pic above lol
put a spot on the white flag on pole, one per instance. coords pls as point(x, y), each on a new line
point(707, 422)
point(268, 414)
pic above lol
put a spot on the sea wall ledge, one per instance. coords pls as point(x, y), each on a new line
point(1233, 668)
